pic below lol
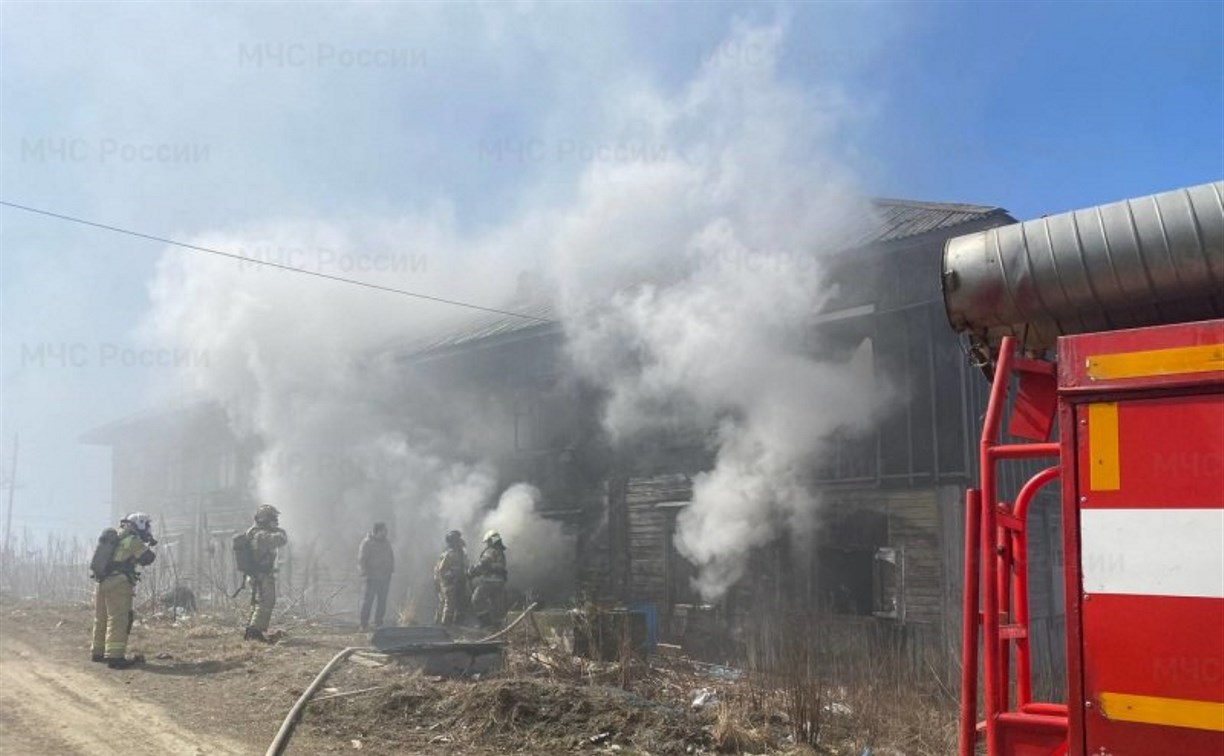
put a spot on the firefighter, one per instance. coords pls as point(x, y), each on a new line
point(266, 536)
point(120, 552)
point(376, 562)
point(489, 598)
point(450, 578)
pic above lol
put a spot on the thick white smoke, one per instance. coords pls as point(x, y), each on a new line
point(732, 242)
point(687, 274)
point(538, 550)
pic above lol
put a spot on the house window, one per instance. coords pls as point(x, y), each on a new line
point(679, 572)
point(846, 561)
point(847, 338)
point(887, 581)
point(845, 579)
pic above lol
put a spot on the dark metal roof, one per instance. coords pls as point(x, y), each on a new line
point(889, 220)
point(895, 219)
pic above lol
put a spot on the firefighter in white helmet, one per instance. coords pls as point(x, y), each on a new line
point(118, 555)
point(489, 574)
point(265, 536)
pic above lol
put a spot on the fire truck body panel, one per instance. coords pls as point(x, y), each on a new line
point(1129, 297)
point(1146, 504)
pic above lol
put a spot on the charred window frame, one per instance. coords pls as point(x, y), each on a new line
point(846, 561)
point(679, 573)
point(849, 336)
point(888, 583)
point(920, 433)
point(545, 417)
point(532, 369)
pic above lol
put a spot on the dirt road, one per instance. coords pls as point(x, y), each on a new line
point(48, 708)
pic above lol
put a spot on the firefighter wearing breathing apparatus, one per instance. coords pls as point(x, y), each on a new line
point(265, 537)
point(114, 566)
point(489, 574)
point(450, 580)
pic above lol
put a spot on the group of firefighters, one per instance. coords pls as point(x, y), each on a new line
point(480, 587)
point(452, 578)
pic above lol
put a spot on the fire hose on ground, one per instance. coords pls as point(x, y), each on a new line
point(286, 729)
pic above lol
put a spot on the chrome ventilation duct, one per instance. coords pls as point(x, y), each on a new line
point(1147, 261)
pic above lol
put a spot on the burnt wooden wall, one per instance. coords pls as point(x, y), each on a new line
point(913, 524)
point(656, 573)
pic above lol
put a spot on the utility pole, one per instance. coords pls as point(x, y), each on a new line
point(12, 487)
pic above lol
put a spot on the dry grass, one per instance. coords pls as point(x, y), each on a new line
point(802, 694)
point(54, 570)
point(204, 631)
point(733, 733)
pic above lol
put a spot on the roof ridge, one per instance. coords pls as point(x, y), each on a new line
point(961, 207)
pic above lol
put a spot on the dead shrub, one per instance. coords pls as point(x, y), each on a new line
point(731, 733)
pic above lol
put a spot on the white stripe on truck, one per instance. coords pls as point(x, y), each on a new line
point(1153, 552)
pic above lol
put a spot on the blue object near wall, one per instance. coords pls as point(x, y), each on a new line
point(652, 623)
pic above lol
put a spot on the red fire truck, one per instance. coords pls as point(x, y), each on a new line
point(1101, 332)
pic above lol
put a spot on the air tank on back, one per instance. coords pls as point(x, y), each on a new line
point(1147, 261)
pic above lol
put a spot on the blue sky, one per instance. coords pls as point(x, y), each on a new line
point(480, 114)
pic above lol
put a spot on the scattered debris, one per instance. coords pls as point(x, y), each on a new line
point(719, 672)
point(347, 693)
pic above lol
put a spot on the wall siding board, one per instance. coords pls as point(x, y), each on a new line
point(650, 535)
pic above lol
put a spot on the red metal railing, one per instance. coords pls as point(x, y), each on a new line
point(997, 530)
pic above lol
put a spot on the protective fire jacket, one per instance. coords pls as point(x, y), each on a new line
point(264, 543)
point(127, 551)
point(492, 564)
point(451, 569)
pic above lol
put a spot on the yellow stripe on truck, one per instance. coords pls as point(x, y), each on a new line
point(1104, 474)
point(1171, 712)
point(1177, 361)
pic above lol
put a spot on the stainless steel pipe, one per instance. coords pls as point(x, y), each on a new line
point(1147, 261)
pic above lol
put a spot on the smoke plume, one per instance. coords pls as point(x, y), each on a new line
point(731, 243)
point(686, 275)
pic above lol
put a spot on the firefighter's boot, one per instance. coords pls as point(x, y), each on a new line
point(122, 663)
point(254, 633)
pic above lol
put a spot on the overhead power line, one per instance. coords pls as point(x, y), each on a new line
point(280, 266)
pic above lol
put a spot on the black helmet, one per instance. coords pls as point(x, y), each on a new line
point(454, 538)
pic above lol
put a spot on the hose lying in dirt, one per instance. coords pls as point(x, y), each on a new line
point(509, 627)
point(286, 729)
point(347, 693)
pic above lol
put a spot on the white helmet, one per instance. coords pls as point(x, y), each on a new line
point(490, 536)
point(139, 521)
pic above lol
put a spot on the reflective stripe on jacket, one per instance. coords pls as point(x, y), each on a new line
point(123, 561)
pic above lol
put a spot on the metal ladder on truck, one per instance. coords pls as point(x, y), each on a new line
point(1110, 323)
